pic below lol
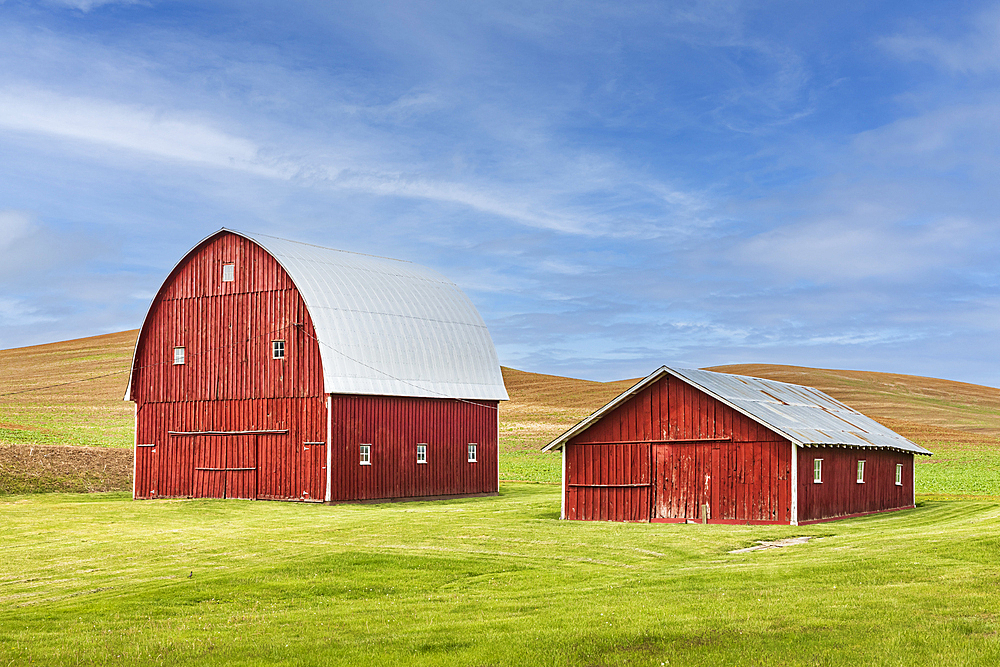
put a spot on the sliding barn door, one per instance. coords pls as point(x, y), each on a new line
point(685, 481)
point(225, 466)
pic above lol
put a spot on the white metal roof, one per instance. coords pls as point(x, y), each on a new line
point(389, 327)
point(804, 415)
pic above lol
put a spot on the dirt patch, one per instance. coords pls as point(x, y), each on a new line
point(50, 468)
point(776, 544)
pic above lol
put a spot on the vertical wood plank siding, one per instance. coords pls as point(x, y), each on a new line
point(840, 494)
point(229, 382)
point(393, 426)
point(743, 474)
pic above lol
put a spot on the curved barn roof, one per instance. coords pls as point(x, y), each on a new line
point(389, 327)
point(804, 415)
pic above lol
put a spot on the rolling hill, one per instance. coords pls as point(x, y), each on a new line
point(70, 394)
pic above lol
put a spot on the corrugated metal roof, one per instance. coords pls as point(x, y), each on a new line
point(389, 327)
point(804, 415)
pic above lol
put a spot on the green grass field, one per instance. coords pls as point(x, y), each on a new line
point(102, 580)
point(99, 579)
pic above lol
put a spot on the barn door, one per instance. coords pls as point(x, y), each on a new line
point(313, 482)
point(225, 466)
point(147, 467)
point(685, 481)
point(241, 466)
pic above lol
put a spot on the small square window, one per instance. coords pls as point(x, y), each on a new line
point(421, 453)
point(178, 356)
point(228, 273)
point(899, 474)
point(861, 472)
point(817, 471)
point(366, 455)
point(277, 349)
point(472, 452)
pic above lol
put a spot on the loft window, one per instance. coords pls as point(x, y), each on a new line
point(422, 453)
point(228, 273)
point(366, 455)
point(178, 356)
point(817, 471)
point(861, 472)
point(899, 474)
point(277, 349)
point(472, 452)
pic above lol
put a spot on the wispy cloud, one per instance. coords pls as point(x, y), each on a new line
point(975, 52)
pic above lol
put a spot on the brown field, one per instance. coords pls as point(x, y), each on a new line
point(60, 399)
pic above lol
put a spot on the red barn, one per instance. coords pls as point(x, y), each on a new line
point(689, 445)
point(267, 368)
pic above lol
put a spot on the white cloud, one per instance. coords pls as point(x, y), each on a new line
point(129, 127)
point(14, 225)
point(976, 52)
point(87, 5)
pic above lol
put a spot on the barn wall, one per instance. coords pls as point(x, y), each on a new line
point(393, 426)
point(740, 469)
point(840, 494)
point(287, 466)
point(226, 329)
point(229, 382)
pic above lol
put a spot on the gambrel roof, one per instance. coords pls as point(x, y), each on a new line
point(804, 415)
point(388, 327)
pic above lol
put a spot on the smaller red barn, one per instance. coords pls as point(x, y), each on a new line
point(689, 445)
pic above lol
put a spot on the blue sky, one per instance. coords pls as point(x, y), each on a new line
point(616, 186)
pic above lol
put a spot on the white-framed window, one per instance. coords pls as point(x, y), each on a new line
point(861, 472)
point(472, 452)
point(277, 349)
point(228, 273)
point(817, 471)
point(422, 453)
point(899, 474)
point(366, 455)
point(178, 356)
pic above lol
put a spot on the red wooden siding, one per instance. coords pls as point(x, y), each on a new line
point(840, 494)
point(286, 468)
point(226, 329)
point(229, 382)
point(608, 482)
point(690, 449)
point(393, 426)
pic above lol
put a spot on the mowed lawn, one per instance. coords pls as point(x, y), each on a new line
point(101, 579)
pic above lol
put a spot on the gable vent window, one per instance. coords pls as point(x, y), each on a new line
point(861, 472)
point(472, 452)
point(421, 453)
point(817, 471)
point(228, 273)
point(277, 349)
point(178, 356)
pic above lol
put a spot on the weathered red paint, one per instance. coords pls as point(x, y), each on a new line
point(671, 451)
point(839, 494)
point(232, 422)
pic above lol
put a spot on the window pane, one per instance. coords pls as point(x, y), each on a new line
point(178, 356)
point(472, 452)
point(818, 471)
point(277, 349)
point(228, 273)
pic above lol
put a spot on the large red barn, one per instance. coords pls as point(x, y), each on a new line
point(272, 369)
point(690, 445)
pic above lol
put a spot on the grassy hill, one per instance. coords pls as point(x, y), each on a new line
point(959, 422)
